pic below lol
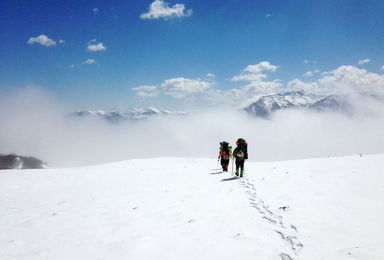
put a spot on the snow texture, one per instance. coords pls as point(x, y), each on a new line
point(182, 208)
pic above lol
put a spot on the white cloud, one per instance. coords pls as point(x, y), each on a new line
point(268, 15)
point(254, 72)
point(96, 10)
point(249, 77)
point(347, 78)
point(310, 61)
point(72, 66)
point(257, 84)
point(263, 87)
point(365, 61)
point(182, 87)
point(308, 74)
point(311, 73)
point(43, 40)
point(254, 90)
point(146, 91)
point(96, 47)
point(160, 9)
point(89, 61)
point(382, 67)
point(260, 67)
point(308, 87)
point(178, 88)
point(210, 75)
point(344, 79)
point(61, 41)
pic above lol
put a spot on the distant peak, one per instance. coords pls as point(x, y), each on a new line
point(267, 104)
point(115, 116)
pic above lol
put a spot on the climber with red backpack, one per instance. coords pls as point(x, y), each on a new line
point(225, 154)
point(241, 154)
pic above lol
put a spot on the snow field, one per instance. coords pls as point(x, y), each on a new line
point(165, 208)
point(181, 208)
point(335, 203)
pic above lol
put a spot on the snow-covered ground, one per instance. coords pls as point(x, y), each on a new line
point(181, 208)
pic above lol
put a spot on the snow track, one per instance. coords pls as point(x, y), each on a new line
point(287, 232)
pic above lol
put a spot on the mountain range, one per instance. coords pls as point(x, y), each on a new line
point(268, 104)
point(116, 116)
point(263, 107)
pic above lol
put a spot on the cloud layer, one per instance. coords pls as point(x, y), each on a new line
point(254, 82)
point(38, 125)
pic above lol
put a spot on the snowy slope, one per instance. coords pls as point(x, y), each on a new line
point(180, 208)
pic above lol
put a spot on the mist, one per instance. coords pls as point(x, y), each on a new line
point(35, 123)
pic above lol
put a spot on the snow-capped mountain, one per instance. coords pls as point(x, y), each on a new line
point(13, 161)
point(115, 116)
point(266, 105)
point(333, 102)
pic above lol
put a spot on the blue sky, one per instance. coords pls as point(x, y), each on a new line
point(203, 44)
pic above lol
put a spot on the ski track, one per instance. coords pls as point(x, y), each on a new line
point(287, 232)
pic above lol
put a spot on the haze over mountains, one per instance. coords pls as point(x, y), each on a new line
point(116, 116)
point(38, 125)
point(263, 107)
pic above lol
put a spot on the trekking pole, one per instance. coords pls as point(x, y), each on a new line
point(217, 167)
point(233, 159)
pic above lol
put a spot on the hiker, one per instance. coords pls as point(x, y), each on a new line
point(241, 154)
point(225, 153)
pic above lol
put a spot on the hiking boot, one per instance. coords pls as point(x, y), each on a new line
point(241, 173)
point(237, 172)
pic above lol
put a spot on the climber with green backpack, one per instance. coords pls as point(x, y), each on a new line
point(240, 154)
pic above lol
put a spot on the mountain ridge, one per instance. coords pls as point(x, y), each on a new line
point(115, 116)
point(268, 104)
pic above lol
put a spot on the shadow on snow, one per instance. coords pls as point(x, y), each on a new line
point(230, 179)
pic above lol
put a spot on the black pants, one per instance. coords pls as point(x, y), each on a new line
point(224, 164)
point(239, 164)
